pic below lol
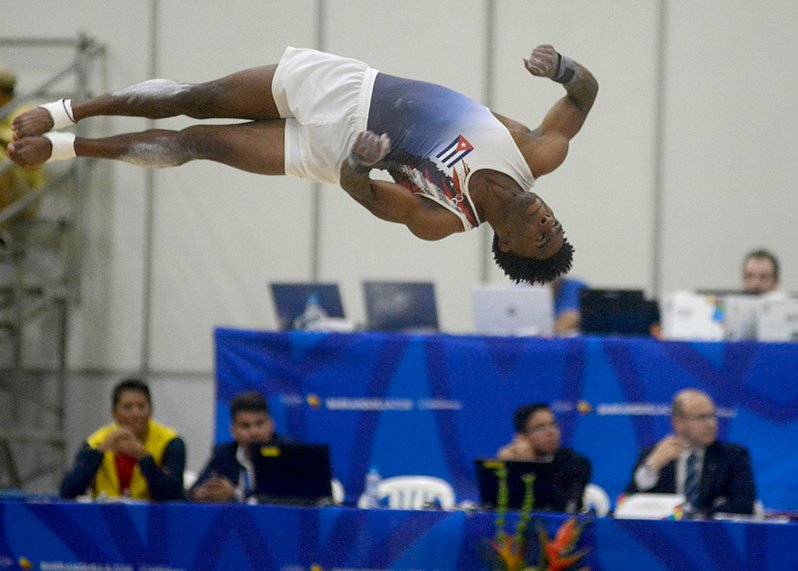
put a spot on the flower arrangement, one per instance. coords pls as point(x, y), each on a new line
point(557, 554)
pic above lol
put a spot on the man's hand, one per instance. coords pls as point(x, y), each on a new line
point(543, 62)
point(368, 149)
point(123, 441)
point(666, 450)
point(216, 489)
point(131, 447)
point(519, 449)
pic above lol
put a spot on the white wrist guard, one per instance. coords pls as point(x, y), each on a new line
point(565, 69)
point(63, 146)
point(61, 113)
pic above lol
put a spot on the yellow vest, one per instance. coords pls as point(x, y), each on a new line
point(106, 481)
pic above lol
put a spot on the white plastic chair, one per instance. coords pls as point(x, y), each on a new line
point(413, 492)
point(189, 477)
point(596, 499)
point(338, 493)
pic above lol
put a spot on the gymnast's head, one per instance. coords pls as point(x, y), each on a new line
point(530, 245)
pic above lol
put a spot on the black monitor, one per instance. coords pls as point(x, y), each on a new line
point(292, 473)
point(617, 312)
point(545, 497)
point(400, 306)
point(290, 299)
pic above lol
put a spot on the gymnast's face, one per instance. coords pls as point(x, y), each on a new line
point(533, 231)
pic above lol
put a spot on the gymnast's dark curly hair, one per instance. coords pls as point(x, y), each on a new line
point(521, 269)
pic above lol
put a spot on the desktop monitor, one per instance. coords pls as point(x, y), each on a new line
point(545, 497)
point(400, 306)
point(290, 299)
point(292, 473)
point(617, 311)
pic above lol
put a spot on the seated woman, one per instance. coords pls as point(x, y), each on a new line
point(134, 457)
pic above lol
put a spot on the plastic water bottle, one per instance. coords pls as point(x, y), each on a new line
point(313, 316)
point(372, 485)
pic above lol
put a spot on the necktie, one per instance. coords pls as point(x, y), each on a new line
point(691, 481)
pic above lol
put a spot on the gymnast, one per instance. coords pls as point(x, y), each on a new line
point(326, 118)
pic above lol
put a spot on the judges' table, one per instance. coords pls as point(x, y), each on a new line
point(431, 404)
point(72, 536)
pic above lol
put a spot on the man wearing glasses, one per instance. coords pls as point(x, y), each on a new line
point(713, 476)
point(537, 439)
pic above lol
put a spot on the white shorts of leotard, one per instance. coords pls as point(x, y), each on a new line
point(325, 101)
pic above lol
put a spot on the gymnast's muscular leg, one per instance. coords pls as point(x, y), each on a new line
point(246, 94)
point(255, 147)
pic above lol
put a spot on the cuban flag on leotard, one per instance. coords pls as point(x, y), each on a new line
point(455, 151)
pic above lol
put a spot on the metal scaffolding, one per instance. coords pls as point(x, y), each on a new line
point(40, 258)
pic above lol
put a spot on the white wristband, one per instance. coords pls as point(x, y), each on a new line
point(61, 113)
point(63, 146)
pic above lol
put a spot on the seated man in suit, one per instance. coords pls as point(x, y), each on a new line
point(537, 439)
point(714, 476)
point(229, 475)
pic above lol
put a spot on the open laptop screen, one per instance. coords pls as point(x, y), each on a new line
point(616, 311)
point(290, 299)
point(488, 483)
point(292, 473)
point(400, 306)
point(513, 310)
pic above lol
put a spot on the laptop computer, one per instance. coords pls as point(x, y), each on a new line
point(777, 320)
point(400, 306)
point(692, 316)
point(513, 310)
point(290, 299)
point(488, 483)
point(739, 316)
point(616, 311)
point(297, 474)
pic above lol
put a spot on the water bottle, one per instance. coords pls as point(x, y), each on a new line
point(372, 485)
point(313, 316)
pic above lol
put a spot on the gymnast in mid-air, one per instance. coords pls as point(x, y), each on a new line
point(326, 118)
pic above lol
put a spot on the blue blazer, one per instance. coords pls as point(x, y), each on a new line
point(727, 481)
point(223, 462)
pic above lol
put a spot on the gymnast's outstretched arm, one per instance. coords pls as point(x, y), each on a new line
point(566, 117)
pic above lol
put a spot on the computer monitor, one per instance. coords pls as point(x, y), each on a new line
point(616, 311)
point(777, 319)
point(292, 473)
point(513, 310)
point(740, 316)
point(545, 497)
point(290, 299)
point(400, 306)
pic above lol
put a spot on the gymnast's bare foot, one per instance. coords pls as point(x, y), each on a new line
point(32, 123)
point(30, 152)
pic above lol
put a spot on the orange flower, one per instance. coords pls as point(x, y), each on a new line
point(567, 535)
point(558, 563)
point(559, 551)
point(511, 555)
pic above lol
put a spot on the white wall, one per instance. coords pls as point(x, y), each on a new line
point(658, 205)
